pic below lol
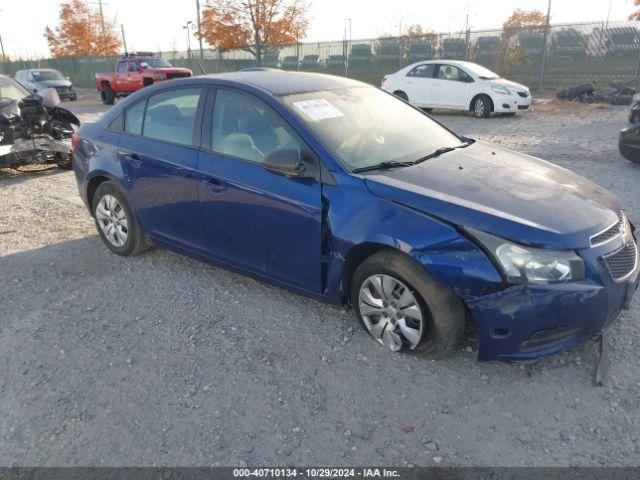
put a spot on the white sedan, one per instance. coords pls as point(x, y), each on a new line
point(458, 85)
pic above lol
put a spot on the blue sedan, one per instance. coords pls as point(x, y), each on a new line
point(337, 190)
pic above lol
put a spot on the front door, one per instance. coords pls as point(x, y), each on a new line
point(253, 218)
point(159, 155)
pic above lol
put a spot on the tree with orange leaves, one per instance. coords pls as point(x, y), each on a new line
point(252, 25)
point(82, 33)
point(524, 20)
point(635, 15)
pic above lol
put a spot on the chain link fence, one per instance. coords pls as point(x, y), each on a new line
point(550, 57)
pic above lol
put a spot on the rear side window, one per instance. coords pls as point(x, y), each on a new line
point(247, 128)
point(117, 123)
point(171, 116)
point(133, 118)
point(423, 71)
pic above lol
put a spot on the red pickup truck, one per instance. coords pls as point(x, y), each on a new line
point(133, 72)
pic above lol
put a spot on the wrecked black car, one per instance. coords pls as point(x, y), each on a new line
point(629, 138)
point(33, 128)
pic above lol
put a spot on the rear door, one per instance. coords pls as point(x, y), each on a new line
point(418, 84)
point(253, 218)
point(159, 154)
point(451, 87)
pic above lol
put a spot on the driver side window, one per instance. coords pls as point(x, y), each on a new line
point(245, 127)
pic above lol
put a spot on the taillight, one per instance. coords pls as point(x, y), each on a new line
point(75, 140)
point(384, 79)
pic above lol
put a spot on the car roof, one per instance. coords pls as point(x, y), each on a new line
point(280, 82)
point(459, 63)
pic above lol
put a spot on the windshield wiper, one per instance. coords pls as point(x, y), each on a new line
point(383, 166)
point(394, 164)
point(442, 150)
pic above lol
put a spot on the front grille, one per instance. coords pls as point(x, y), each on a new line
point(523, 107)
point(523, 94)
point(611, 232)
point(177, 75)
point(62, 89)
point(622, 262)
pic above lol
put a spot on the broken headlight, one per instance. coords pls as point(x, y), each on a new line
point(520, 263)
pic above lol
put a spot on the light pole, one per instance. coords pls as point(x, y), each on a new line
point(187, 27)
point(544, 47)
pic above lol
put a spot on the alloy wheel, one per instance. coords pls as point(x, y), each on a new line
point(390, 311)
point(112, 220)
point(478, 108)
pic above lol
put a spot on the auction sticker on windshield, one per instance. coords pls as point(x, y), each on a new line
point(319, 109)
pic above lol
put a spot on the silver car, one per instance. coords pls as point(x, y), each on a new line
point(37, 79)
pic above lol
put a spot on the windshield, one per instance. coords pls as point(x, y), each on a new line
point(365, 126)
point(624, 38)
point(46, 75)
point(10, 90)
point(154, 63)
point(480, 71)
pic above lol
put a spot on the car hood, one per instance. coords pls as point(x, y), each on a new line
point(512, 195)
point(53, 84)
point(508, 83)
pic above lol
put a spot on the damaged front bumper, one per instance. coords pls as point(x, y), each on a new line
point(42, 149)
point(528, 321)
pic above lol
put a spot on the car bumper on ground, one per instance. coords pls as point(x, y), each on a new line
point(512, 104)
point(525, 322)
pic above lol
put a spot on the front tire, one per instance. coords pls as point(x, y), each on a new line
point(116, 222)
point(482, 106)
point(402, 306)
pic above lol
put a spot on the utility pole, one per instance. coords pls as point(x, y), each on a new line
point(200, 30)
point(99, 3)
point(544, 47)
point(124, 40)
point(4, 58)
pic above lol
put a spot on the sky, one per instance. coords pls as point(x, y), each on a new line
point(157, 24)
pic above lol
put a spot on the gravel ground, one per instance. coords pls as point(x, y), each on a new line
point(163, 360)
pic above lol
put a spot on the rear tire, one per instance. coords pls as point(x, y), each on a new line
point(107, 95)
point(442, 312)
point(110, 208)
point(482, 106)
point(400, 94)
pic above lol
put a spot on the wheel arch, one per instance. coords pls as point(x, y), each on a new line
point(358, 254)
point(481, 94)
point(93, 184)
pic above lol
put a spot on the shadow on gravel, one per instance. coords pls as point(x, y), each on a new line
point(10, 176)
point(115, 361)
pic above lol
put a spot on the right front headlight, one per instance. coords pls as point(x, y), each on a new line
point(521, 263)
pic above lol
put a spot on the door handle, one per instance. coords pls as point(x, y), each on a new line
point(133, 158)
point(214, 184)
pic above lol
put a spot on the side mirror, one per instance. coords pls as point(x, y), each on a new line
point(140, 70)
point(284, 161)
